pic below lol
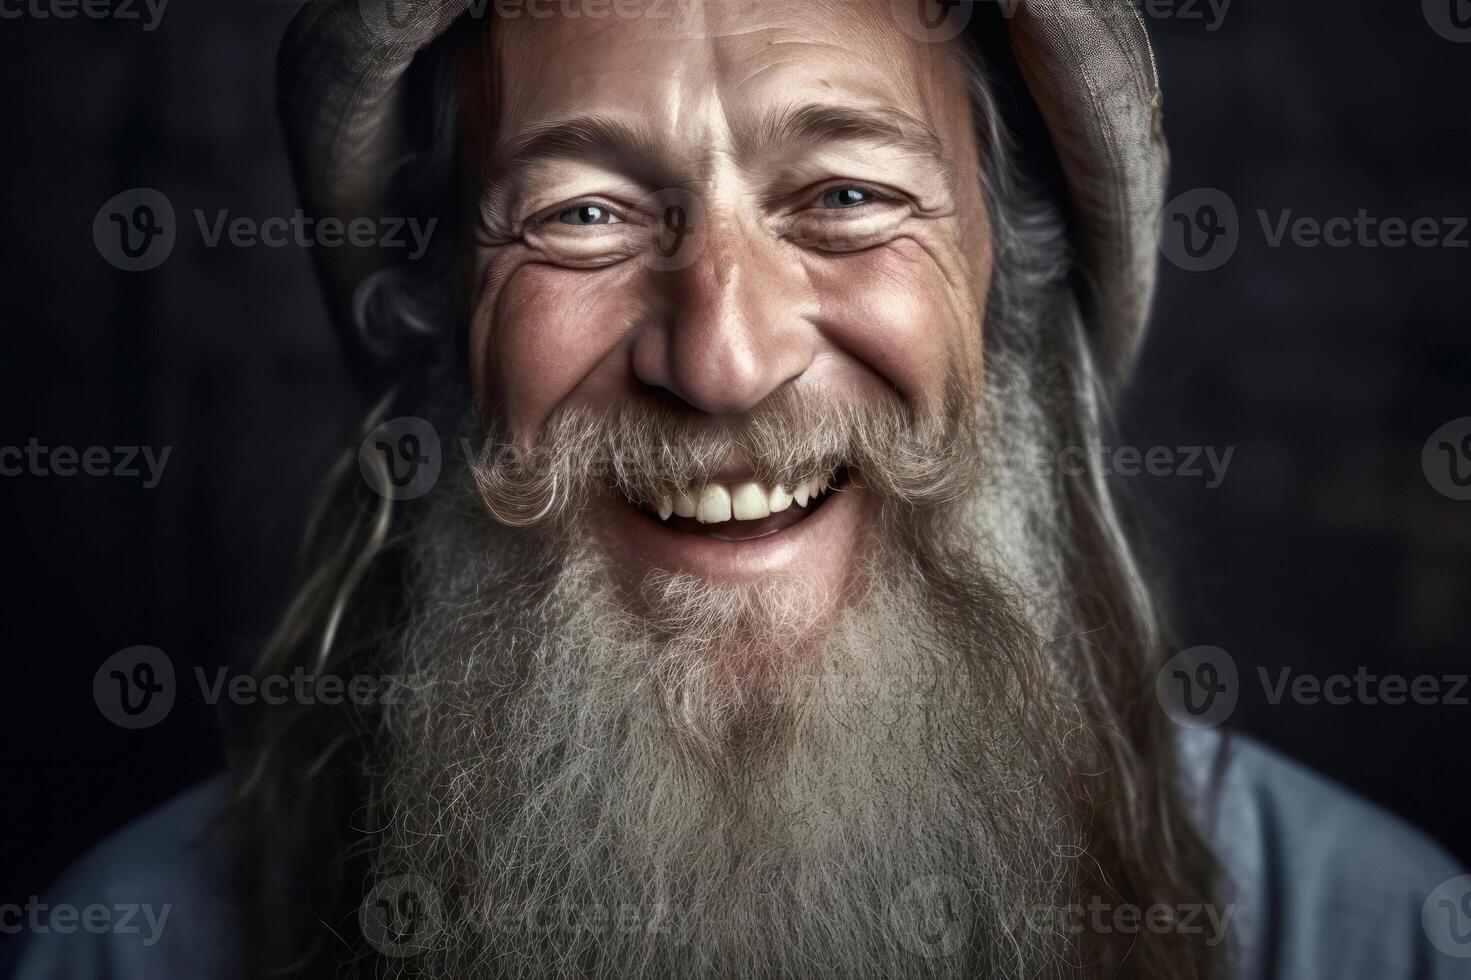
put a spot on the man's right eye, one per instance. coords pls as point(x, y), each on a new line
point(587, 214)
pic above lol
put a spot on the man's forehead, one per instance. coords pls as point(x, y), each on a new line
point(671, 65)
point(729, 22)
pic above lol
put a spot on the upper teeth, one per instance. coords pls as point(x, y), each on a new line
point(715, 503)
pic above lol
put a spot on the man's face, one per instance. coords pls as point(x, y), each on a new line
point(703, 206)
point(572, 735)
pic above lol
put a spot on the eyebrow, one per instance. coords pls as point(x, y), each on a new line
point(638, 152)
point(591, 137)
point(813, 122)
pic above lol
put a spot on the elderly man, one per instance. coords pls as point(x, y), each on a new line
point(733, 629)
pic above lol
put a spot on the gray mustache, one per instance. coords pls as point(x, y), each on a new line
point(644, 451)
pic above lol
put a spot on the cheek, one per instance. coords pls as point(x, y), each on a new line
point(551, 336)
point(894, 310)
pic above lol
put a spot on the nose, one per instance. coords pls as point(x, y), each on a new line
point(738, 321)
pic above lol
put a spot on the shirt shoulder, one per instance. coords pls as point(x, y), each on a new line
point(1318, 881)
point(150, 901)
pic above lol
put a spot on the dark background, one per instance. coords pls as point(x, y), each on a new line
point(1325, 549)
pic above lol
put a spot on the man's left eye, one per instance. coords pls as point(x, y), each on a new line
point(585, 215)
point(846, 197)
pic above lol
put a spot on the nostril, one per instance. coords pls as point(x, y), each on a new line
point(667, 399)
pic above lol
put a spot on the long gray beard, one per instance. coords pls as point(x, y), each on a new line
point(573, 788)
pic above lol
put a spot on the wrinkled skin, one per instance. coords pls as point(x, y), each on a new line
point(834, 238)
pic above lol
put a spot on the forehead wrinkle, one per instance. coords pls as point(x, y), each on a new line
point(522, 139)
point(864, 115)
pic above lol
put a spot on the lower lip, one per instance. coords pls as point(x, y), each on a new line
point(817, 545)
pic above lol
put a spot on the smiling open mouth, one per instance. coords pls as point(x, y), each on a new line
point(745, 510)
